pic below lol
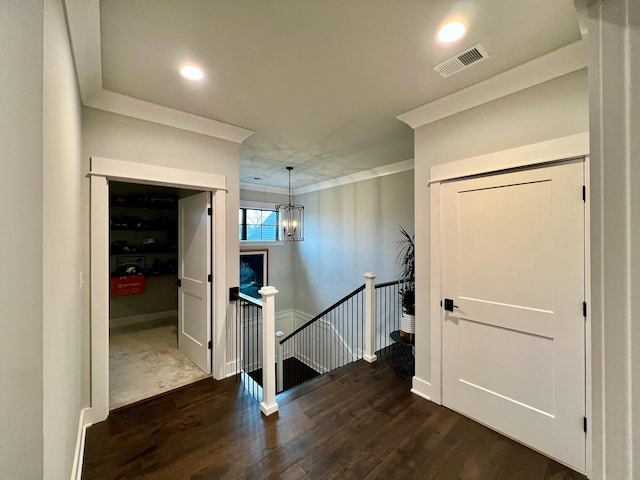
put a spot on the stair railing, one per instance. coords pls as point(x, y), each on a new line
point(255, 349)
point(355, 327)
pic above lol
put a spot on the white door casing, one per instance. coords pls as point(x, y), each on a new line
point(194, 270)
point(103, 170)
point(513, 352)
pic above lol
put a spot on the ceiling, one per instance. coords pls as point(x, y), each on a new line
point(319, 82)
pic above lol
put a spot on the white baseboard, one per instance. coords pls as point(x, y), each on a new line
point(136, 320)
point(230, 369)
point(78, 456)
point(421, 388)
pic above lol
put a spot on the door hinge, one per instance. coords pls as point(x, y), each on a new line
point(209, 211)
point(179, 283)
point(584, 309)
point(584, 424)
point(584, 193)
point(210, 345)
point(209, 278)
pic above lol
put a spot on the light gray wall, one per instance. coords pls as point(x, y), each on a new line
point(119, 137)
point(61, 249)
point(21, 43)
point(280, 256)
point(550, 110)
point(614, 83)
point(350, 230)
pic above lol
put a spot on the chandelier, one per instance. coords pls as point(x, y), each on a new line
point(291, 219)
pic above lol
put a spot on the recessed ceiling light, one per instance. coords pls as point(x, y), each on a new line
point(192, 73)
point(451, 32)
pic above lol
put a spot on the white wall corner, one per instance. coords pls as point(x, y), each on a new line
point(83, 23)
point(582, 15)
point(557, 63)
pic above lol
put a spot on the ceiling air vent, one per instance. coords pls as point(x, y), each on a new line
point(462, 60)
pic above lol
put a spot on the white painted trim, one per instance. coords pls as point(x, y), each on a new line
point(99, 298)
point(433, 391)
point(152, 112)
point(562, 61)
point(269, 390)
point(268, 409)
point(435, 310)
point(262, 188)
point(83, 19)
point(265, 243)
point(78, 456)
point(563, 148)
point(141, 319)
point(252, 204)
point(107, 169)
point(588, 322)
point(248, 244)
point(421, 388)
point(376, 172)
point(120, 170)
point(219, 301)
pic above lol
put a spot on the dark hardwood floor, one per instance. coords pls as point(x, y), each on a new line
point(359, 422)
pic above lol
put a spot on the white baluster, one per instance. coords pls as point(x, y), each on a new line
point(279, 359)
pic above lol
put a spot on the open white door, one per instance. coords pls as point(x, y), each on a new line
point(194, 293)
point(513, 276)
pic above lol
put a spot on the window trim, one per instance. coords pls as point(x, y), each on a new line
point(262, 206)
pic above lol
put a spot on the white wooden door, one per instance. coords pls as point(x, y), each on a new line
point(194, 293)
point(514, 344)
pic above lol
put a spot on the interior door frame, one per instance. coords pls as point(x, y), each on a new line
point(539, 154)
point(102, 171)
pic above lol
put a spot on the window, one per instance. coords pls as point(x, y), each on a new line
point(258, 224)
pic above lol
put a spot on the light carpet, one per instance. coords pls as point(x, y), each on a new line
point(145, 363)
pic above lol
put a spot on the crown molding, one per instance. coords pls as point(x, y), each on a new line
point(336, 182)
point(263, 188)
point(358, 177)
point(152, 112)
point(83, 23)
point(562, 61)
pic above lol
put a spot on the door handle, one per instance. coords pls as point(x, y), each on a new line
point(448, 305)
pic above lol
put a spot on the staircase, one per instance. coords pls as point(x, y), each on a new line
point(355, 327)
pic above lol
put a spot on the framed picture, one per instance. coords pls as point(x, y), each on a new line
point(253, 271)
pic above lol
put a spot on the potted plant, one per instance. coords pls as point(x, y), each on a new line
point(407, 262)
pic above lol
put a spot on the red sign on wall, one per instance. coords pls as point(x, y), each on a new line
point(129, 285)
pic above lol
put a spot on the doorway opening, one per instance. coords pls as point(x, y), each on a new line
point(144, 357)
point(102, 172)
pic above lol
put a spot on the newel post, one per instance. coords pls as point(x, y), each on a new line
point(268, 405)
point(370, 317)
